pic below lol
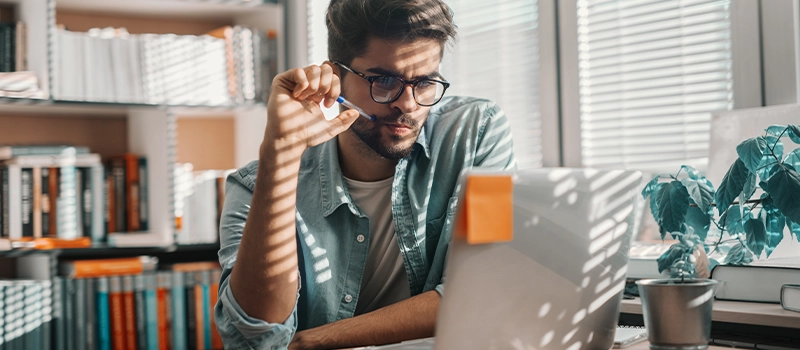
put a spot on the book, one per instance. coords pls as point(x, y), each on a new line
point(129, 312)
point(107, 267)
point(79, 309)
point(179, 317)
point(144, 198)
point(26, 177)
point(759, 282)
point(164, 281)
point(191, 312)
point(216, 339)
point(151, 310)
point(141, 307)
point(642, 260)
point(790, 297)
point(69, 313)
point(626, 336)
point(91, 313)
point(117, 313)
point(59, 327)
point(103, 314)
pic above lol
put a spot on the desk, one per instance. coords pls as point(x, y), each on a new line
point(646, 346)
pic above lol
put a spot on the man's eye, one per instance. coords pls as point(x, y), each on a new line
point(385, 82)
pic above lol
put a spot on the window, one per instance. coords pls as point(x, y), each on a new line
point(496, 57)
point(650, 72)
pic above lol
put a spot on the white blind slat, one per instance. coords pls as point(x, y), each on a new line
point(650, 73)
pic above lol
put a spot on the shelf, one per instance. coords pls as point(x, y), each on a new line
point(174, 9)
point(103, 250)
point(111, 109)
point(760, 314)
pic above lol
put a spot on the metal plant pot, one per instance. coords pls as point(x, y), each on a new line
point(677, 313)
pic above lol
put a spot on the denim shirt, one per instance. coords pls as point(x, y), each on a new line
point(459, 133)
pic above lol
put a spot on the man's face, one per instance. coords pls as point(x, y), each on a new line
point(397, 124)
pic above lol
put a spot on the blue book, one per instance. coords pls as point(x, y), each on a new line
point(151, 311)
point(205, 282)
point(178, 311)
point(103, 315)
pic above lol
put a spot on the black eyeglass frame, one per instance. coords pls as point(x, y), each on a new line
point(371, 79)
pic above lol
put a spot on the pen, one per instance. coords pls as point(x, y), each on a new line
point(350, 105)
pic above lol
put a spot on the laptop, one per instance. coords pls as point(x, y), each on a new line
point(556, 281)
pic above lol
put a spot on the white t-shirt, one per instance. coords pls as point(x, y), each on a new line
point(385, 280)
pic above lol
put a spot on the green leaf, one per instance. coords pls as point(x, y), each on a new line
point(654, 198)
point(775, 130)
point(672, 205)
point(749, 188)
point(784, 188)
point(793, 159)
point(767, 168)
point(700, 221)
point(651, 187)
point(756, 238)
point(774, 144)
point(775, 222)
point(673, 254)
point(699, 193)
point(732, 220)
point(738, 255)
point(751, 151)
point(794, 228)
point(695, 175)
point(732, 185)
point(794, 133)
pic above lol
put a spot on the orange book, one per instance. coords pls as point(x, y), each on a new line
point(129, 313)
point(108, 267)
point(193, 266)
point(116, 312)
point(164, 281)
point(213, 291)
point(52, 193)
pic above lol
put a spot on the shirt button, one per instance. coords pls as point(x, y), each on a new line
point(360, 238)
point(348, 298)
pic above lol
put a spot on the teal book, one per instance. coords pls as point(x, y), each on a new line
point(178, 294)
point(103, 314)
point(141, 318)
point(151, 310)
point(205, 284)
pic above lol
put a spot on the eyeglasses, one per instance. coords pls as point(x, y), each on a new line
point(386, 89)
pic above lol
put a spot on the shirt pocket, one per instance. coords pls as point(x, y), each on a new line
point(435, 227)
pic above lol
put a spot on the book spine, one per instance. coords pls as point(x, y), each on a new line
point(204, 302)
point(79, 203)
point(2, 317)
point(4, 203)
point(2, 47)
point(11, 36)
point(91, 314)
point(13, 317)
point(178, 311)
point(53, 194)
point(103, 314)
point(67, 216)
point(69, 313)
point(118, 172)
point(45, 202)
point(20, 47)
point(164, 281)
point(129, 312)
point(144, 201)
point(110, 204)
point(33, 315)
point(141, 318)
point(80, 312)
point(151, 311)
point(191, 312)
point(117, 313)
point(48, 315)
point(216, 339)
point(87, 201)
point(37, 202)
point(59, 330)
point(102, 267)
point(98, 204)
point(27, 202)
point(132, 194)
point(14, 201)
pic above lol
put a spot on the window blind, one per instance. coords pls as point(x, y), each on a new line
point(496, 57)
point(650, 73)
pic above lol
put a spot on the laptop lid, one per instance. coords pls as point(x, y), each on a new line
point(557, 284)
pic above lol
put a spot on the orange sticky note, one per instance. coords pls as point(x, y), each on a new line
point(487, 213)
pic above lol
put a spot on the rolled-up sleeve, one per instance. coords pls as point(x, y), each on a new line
point(237, 329)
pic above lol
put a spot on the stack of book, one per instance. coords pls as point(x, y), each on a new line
point(25, 308)
point(199, 198)
point(232, 65)
point(127, 303)
point(12, 46)
point(51, 191)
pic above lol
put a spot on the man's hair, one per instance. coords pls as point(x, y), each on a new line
point(352, 22)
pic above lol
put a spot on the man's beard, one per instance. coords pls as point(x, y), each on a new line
point(370, 133)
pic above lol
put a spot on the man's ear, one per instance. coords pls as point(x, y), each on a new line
point(334, 67)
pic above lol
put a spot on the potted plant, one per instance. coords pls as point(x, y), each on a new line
point(757, 199)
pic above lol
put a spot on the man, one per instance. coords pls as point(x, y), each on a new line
point(337, 236)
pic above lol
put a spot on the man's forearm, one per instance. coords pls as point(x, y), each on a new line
point(264, 279)
point(412, 318)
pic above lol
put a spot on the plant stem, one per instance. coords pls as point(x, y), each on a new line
point(751, 201)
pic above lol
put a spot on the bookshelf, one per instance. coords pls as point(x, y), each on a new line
point(142, 127)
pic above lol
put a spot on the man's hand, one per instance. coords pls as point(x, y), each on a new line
point(294, 116)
